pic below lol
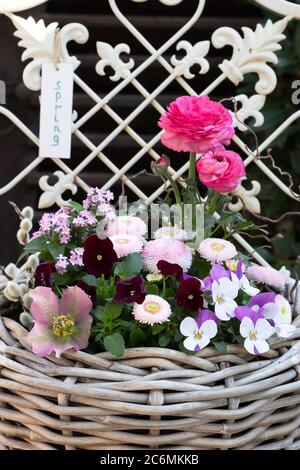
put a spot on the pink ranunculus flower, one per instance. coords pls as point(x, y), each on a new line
point(196, 124)
point(60, 325)
point(221, 170)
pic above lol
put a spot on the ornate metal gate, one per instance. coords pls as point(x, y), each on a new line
point(252, 52)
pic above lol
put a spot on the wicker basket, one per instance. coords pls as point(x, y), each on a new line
point(151, 398)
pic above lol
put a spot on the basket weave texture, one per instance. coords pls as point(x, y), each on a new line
point(151, 398)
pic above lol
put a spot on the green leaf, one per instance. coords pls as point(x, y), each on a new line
point(131, 266)
point(221, 346)
point(157, 328)
point(152, 289)
point(178, 336)
point(115, 344)
point(89, 279)
point(99, 312)
point(164, 341)
point(137, 337)
point(55, 249)
point(36, 244)
point(113, 311)
point(76, 206)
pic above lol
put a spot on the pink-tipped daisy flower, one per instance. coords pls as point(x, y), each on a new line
point(217, 250)
point(60, 325)
point(266, 275)
point(153, 310)
point(126, 224)
point(174, 252)
point(124, 244)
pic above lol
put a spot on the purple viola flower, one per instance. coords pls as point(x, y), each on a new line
point(217, 272)
point(130, 291)
point(43, 274)
point(205, 314)
point(189, 295)
point(89, 290)
point(170, 269)
point(246, 311)
point(262, 299)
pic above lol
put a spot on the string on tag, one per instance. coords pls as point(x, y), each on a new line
point(57, 49)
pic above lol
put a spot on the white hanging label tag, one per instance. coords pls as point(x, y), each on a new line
point(56, 111)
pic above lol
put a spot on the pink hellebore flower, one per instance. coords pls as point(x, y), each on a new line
point(60, 325)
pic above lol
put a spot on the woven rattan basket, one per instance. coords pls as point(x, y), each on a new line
point(151, 398)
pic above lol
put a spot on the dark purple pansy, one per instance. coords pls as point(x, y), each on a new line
point(43, 274)
point(99, 256)
point(170, 269)
point(130, 291)
point(89, 290)
point(189, 295)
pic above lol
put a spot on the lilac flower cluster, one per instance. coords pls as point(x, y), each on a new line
point(75, 259)
point(84, 219)
point(59, 222)
point(98, 201)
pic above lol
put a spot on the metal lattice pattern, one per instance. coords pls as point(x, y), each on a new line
point(253, 52)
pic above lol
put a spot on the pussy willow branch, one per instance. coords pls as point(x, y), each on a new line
point(17, 210)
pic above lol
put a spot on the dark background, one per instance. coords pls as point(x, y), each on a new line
point(157, 22)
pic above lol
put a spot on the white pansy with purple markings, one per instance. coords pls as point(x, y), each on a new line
point(256, 334)
point(224, 291)
point(198, 336)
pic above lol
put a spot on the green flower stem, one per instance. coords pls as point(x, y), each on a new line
point(192, 167)
point(174, 187)
point(164, 293)
point(213, 203)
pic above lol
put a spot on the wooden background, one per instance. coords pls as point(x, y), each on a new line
point(157, 23)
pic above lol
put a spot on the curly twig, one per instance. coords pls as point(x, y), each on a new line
point(256, 155)
point(275, 221)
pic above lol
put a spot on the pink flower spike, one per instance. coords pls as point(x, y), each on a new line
point(60, 325)
point(266, 275)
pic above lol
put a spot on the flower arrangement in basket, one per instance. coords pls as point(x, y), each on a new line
point(94, 279)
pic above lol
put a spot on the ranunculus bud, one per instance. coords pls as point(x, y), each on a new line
point(160, 166)
point(164, 161)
